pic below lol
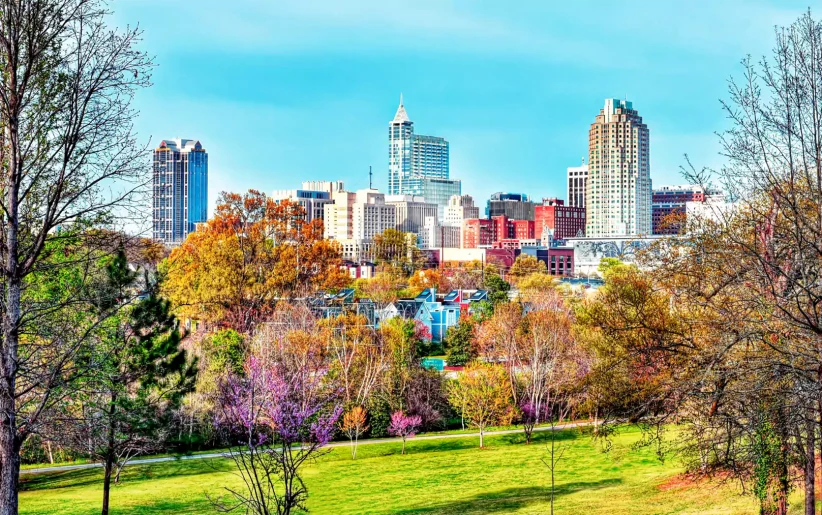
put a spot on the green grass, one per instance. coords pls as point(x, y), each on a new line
point(449, 476)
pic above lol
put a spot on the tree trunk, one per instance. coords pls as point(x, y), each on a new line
point(810, 464)
point(109, 466)
point(482, 445)
point(10, 440)
point(9, 463)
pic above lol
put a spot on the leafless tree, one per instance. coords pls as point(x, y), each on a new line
point(69, 157)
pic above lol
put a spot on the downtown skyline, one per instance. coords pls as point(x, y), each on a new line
point(516, 110)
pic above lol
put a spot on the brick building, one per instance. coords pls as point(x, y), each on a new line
point(564, 221)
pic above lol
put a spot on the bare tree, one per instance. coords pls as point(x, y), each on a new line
point(69, 157)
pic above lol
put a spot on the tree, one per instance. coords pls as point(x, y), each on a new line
point(359, 354)
point(402, 339)
point(469, 276)
point(497, 288)
point(483, 396)
point(499, 341)
point(533, 286)
point(526, 265)
point(398, 249)
point(354, 425)
point(69, 158)
point(220, 355)
point(253, 252)
point(459, 342)
point(404, 426)
point(277, 418)
point(428, 278)
point(140, 376)
point(426, 398)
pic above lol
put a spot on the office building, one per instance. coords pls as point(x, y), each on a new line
point(435, 235)
point(180, 189)
point(577, 183)
point(555, 220)
point(413, 155)
point(459, 209)
point(513, 205)
point(618, 194)
point(312, 201)
point(675, 200)
point(411, 212)
point(353, 219)
point(326, 186)
point(499, 231)
point(435, 191)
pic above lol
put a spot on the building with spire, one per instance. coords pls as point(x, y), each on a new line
point(180, 189)
point(414, 157)
point(618, 190)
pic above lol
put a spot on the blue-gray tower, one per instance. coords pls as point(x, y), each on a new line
point(412, 157)
point(180, 192)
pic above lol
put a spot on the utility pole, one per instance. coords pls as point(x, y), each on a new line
point(442, 247)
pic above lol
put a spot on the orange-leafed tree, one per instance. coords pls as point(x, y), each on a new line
point(428, 278)
point(354, 425)
point(252, 253)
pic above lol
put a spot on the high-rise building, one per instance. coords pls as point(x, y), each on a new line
point(577, 182)
point(435, 191)
point(326, 186)
point(434, 235)
point(513, 205)
point(180, 190)
point(411, 212)
point(618, 194)
point(413, 155)
point(555, 220)
point(312, 201)
point(353, 219)
point(459, 209)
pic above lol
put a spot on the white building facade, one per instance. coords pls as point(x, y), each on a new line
point(618, 192)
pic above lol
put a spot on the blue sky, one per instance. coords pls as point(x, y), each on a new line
point(284, 91)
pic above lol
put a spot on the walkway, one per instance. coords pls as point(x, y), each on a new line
point(147, 461)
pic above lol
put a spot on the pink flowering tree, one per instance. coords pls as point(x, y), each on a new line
point(276, 419)
point(404, 426)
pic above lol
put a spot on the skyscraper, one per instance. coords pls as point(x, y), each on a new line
point(180, 189)
point(577, 183)
point(413, 155)
point(618, 194)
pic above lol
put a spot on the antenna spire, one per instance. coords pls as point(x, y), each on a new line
point(400, 99)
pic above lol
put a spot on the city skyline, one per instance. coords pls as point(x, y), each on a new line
point(514, 101)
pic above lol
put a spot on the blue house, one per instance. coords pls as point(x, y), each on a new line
point(435, 314)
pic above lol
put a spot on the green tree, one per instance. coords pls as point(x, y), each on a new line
point(459, 342)
point(497, 288)
point(141, 375)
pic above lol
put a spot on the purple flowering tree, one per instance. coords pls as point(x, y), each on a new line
point(532, 414)
point(276, 419)
point(404, 426)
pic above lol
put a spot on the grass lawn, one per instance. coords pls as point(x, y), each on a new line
point(448, 476)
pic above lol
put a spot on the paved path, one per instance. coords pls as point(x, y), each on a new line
point(146, 461)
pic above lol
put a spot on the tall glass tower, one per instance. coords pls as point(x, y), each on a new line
point(413, 156)
point(180, 192)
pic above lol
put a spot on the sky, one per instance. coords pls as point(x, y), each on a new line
point(282, 91)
